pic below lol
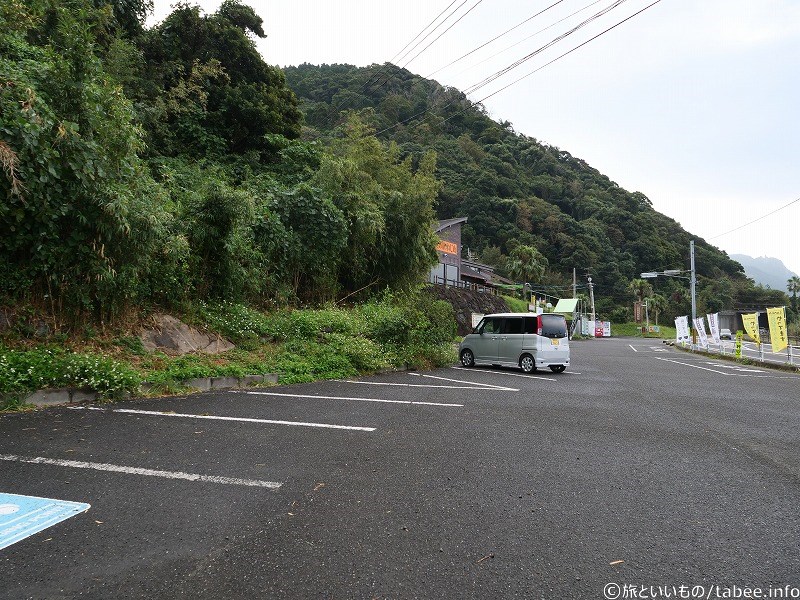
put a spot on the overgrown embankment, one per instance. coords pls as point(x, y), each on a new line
point(393, 331)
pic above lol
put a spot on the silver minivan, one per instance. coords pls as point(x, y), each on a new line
point(520, 340)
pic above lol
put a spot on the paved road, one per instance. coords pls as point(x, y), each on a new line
point(640, 465)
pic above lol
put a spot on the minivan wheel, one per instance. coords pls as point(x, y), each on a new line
point(557, 368)
point(527, 363)
point(467, 358)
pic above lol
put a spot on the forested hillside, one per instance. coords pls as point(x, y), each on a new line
point(517, 191)
point(155, 167)
point(164, 166)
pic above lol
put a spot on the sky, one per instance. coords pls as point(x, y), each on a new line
point(694, 104)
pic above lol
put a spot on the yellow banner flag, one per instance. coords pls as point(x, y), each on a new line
point(750, 323)
point(777, 328)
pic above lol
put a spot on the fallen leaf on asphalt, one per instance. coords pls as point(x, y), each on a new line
point(99, 522)
point(318, 486)
point(616, 562)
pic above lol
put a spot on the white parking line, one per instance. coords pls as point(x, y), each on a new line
point(475, 383)
point(693, 366)
point(154, 413)
point(509, 374)
point(356, 399)
point(724, 373)
point(632, 348)
point(418, 385)
point(40, 460)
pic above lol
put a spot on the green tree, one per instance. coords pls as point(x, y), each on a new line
point(640, 289)
point(233, 99)
point(526, 264)
point(79, 211)
point(658, 304)
point(388, 206)
point(793, 286)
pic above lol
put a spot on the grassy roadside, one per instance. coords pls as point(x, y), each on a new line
point(635, 330)
point(300, 345)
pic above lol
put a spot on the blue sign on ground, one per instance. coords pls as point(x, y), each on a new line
point(22, 516)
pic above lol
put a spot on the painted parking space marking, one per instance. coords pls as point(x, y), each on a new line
point(632, 348)
point(155, 413)
point(724, 372)
point(677, 362)
point(735, 368)
point(508, 374)
point(379, 400)
point(419, 385)
point(40, 460)
point(23, 516)
point(478, 384)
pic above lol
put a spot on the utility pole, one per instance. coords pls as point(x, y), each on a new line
point(574, 283)
point(591, 299)
point(693, 283)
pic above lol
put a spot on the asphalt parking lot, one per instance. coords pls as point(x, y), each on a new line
point(639, 464)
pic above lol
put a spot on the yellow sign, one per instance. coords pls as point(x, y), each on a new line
point(750, 323)
point(777, 328)
point(447, 247)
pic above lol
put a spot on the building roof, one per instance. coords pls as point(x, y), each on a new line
point(448, 223)
point(467, 271)
point(566, 306)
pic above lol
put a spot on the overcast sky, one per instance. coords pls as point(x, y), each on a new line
point(693, 103)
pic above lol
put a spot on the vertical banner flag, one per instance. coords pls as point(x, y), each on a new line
point(682, 330)
point(700, 326)
point(738, 346)
point(750, 323)
point(777, 328)
point(713, 324)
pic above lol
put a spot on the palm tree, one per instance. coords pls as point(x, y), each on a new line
point(793, 285)
point(658, 304)
point(526, 264)
point(641, 289)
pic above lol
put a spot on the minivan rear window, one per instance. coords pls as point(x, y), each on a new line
point(554, 326)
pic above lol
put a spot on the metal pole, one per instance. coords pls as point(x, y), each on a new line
point(693, 282)
point(574, 283)
point(591, 299)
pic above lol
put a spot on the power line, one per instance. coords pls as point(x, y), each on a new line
point(756, 220)
point(373, 78)
point(569, 52)
point(473, 104)
point(525, 39)
point(414, 47)
point(507, 31)
point(552, 42)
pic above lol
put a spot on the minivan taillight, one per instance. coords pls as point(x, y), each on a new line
point(539, 331)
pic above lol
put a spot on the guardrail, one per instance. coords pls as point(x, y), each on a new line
point(760, 352)
point(475, 287)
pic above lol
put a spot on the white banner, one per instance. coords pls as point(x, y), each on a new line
point(700, 326)
point(682, 333)
point(713, 325)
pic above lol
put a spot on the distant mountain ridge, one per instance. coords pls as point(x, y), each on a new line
point(766, 270)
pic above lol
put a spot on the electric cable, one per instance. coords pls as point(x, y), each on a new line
point(473, 104)
point(756, 220)
point(507, 31)
point(475, 87)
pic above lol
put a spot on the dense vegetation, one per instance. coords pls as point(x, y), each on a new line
point(517, 191)
point(164, 166)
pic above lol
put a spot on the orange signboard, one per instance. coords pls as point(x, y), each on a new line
point(447, 247)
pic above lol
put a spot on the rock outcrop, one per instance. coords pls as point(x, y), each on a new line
point(172, 336)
